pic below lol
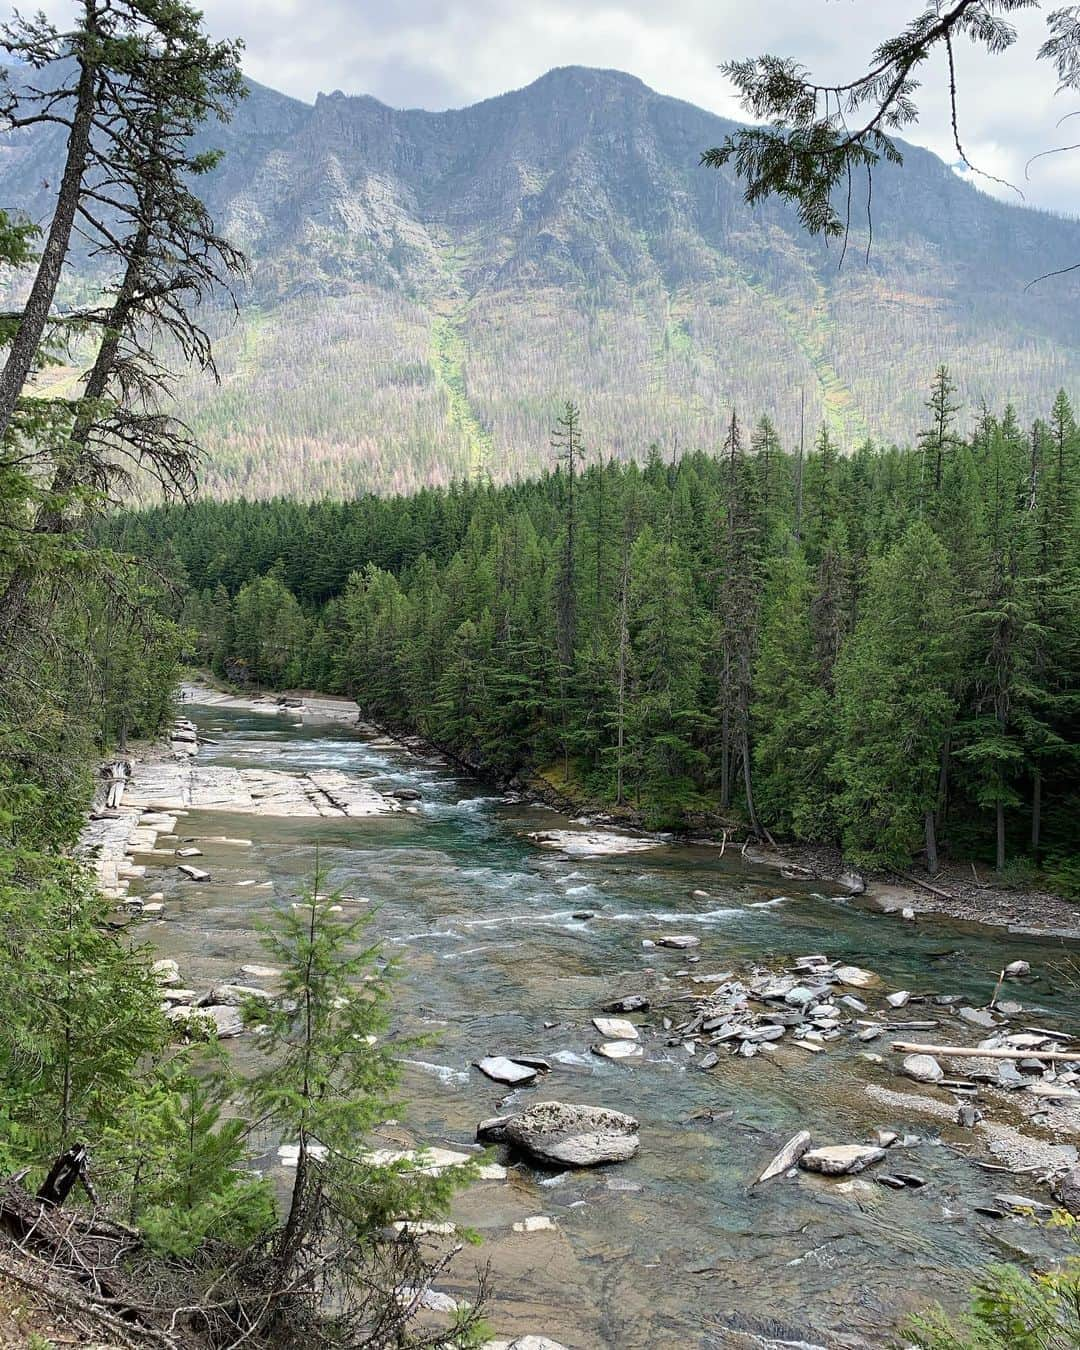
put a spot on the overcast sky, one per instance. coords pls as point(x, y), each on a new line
point(449, 53)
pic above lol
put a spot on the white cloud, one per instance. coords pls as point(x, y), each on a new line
point(432, 54)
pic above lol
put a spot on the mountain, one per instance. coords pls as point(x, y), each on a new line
point(428, 287)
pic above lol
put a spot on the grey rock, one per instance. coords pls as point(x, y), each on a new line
point(977, 1017)
point(800, 996)
point(192, 873)
point(855, 976)
point(709, 1060)
point(493, 1130)
point(406, 794)
point(679, 941)
point(887, 1179)
point(1020, 1204)
point(628, 1003)
point(1015, 969)
point(223, 1022)
point(236, 995)
point(898, 1000)
point(852, 882)
point(764, 1034)
point(790, 1154)
point(841, 1159)
point(503, 1070)
point(1067, 1190)
point(923, 1068)
point(968, 1116)
point(1009, 1076)
point(569, 1135)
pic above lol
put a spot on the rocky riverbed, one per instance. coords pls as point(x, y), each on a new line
point(726, 1010)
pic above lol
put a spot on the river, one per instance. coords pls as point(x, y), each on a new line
point(674, 1248)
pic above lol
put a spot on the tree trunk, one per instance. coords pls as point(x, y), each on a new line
point(1000, 836)
point(931, 843)
point(942, 803)
point(1036, 815)
point(624, 639)
point(748, 785)
point(15, 598)
point(35, 315)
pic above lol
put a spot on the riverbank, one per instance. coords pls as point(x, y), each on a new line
point(146, 792)
point(513, 945)
point(959, 891)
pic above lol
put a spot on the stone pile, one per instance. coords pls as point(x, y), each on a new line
point(807, 1005)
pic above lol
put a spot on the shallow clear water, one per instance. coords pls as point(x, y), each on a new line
point(668, 1249)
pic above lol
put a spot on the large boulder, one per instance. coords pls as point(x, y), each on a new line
point(1067, 1191)
point(567, 1135)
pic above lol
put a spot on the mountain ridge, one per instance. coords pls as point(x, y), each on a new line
point(427, 286)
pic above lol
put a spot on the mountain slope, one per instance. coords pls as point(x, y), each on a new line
point(427, 287)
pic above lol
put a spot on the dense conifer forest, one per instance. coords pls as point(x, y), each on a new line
point(878, 649)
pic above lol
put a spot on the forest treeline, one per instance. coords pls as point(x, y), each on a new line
point(879, 650)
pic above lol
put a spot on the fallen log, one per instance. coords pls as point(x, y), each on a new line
point(934, 890)
point(974, 1052)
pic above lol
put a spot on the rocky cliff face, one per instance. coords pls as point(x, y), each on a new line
point(426, 287)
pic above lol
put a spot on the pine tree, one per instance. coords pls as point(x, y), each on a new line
point(324, 1085)
point(938, 442)
point(896, 688)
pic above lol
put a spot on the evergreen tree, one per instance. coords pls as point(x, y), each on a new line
point(896, 689)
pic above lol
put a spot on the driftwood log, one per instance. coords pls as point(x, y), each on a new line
point(973, 1052)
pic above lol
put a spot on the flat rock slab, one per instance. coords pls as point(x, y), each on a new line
point(593, 843)
point(615, 1028)
point(567, 1135)
point(221, 1021)
point(619, 1050)
point(841, 1159)
point(679, 941)
point(433, 1162)
point(856, 977)
point(503, 1070)
point(788, 1156)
